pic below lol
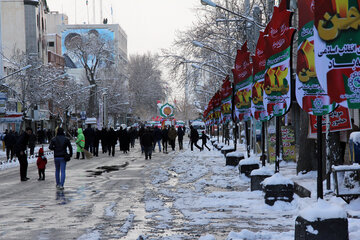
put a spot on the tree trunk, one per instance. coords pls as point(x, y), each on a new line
point(307, 151)
point(92, 106)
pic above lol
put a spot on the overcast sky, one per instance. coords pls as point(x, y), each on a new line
point(149, 24)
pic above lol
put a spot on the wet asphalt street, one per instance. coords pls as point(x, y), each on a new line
point(101, 194)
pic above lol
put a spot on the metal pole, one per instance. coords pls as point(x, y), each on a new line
point(247, 138)
point(263, 156)
point(278, 136)
point(319, 152)
point(328, 159)
point(232, 113)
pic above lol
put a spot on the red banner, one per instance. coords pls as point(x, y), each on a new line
point(339, 121)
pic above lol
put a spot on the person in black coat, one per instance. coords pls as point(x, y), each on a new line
point(96, 142)
point(147, 141)
point(165, 138)
point(157, 135)
point(141, 132)
point(194, 137)
point(204, 139)
point(133, 136)
point(32, 143)
point(89, 134)
point(20, 151)
point(59, 145)
point(124, 139)
point(112, 139)
point(180, 133)
point(10, 141)
point(104, 144)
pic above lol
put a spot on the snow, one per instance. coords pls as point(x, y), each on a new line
point(128, 223)
point(354, 166)
point(207, 237)
point(322, 210)
point(109, 211)
point(355, 137)
point(235, 154)
point(249, 161)
point(263, 171)
point(230, 147)
point(277, 179)
point(95, 235)
point(311, 230)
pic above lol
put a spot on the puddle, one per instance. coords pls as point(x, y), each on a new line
point(106, 169)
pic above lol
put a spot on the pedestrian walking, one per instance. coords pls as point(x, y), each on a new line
point(112, 139)
point(60, 144)
point(3, 139)
point(180, 134)
point(10, 141)
point(172, 137)
point(157, 136)
point(147, 141)
point(96, 142)
point(21, 154)
point(124, 140)
point(32, 143)
point(80, 144)
point(204, 139)
point(89, 134)
point(165, 138)
point(133, 135)
point(104, 144)
point(194, 137)
point(141, 132)
point(41, 164)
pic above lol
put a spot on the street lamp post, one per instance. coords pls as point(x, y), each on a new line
point(212, 4)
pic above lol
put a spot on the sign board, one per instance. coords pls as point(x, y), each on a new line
point(83, 115)
point(288, 143)
point(339, 121)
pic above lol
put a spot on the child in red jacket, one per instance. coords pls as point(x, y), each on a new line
point(41, 163)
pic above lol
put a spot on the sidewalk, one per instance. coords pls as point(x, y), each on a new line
point(194, 195)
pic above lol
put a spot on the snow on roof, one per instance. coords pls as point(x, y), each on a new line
point(248, 161)
point(277, 179)
point(235, 154)
point(322, 210)
point(355, 137)
point(263, 171)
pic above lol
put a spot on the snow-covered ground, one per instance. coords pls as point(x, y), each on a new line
point(193, 195)
point(213, 198)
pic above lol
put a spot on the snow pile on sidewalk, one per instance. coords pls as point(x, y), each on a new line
point(203, 195)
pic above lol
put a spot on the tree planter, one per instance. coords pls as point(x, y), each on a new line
point(328, 229)
point(233, 158)
point(322, 222)
point(247, 165)
point(280, 192)
point(278, 188)
point(256, 182)
point(259, 175)
point(219, 146)
point(225, 150)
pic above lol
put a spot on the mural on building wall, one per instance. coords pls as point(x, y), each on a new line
point(72, 38)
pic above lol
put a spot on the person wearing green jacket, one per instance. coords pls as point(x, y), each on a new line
point(80, 144)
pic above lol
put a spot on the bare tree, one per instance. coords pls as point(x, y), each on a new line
point(145, 84)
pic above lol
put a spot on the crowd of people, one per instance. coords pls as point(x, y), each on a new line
point(89, 140)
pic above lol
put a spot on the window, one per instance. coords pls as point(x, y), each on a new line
point(51, 44)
